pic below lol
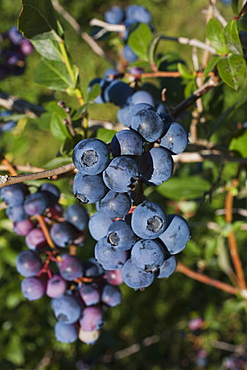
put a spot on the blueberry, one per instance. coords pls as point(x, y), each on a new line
point(122, 174)
point(148, 220)
point(89, 188)
point(91, 156)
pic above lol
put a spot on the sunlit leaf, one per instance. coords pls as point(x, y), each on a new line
point(53, 75)
point(139, 40)
point(192, 187)
point(215, 34)
point(232, 70)
point(232, 38)
point(48, 48)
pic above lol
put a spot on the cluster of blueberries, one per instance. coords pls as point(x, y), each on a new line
point(80, 290)
point(132, 233)
point(136, 240)
point(131, 16)
point(14, 49)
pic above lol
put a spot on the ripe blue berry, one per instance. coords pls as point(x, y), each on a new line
point(91, 156)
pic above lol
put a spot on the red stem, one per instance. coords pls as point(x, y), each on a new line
point(206, 279)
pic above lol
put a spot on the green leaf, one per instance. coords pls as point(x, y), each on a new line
point(185, 72)
point(53, 75)
point(152, 49)
point(242, 22)
point(105, 134)
point(67, 146)
point(232, 38)
point(237, 226)
point(192, 187)
point(226, 115)
point(211, 66)
point(36, 18)
point(139, 40)
point(239, 144)
point(14, 350)
point(215, 34)
point(223, 257)
point(94, 91)
point(80, 111)
point(190, 87)
point(209, 249)
point(192, 249)
point(58, 128)
point(235, 6)
point(232, 70)
point(57, 162)
point(48, 48)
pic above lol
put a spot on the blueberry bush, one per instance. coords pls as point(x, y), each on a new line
point(123, 185)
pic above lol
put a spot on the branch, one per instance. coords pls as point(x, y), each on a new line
point(45, 361)
point(22, 168)
point(75, 25)
point(206, 279)
point(211, 83)
point(217, 15)
point(9, 180)
point(131, 350)
point(182, 40)
point(232, 240)
point(173, 74)
point(107, 26)
point(192, 42)
point(11, 102)
point(213, 155)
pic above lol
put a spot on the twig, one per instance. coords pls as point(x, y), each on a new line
point(229, 347)
point(134, 348)
point(182, 40)
point(232, 240)
point(107, 26)
point(75, 25)
point(192, 42)
point(174, 74)
point(240, 211)
point(38, 175)
point(45, 361)
point(206, 279)
point(217, 15)
point(22, 168)
point(213, 155)
point(211, 83)
point(11, 102)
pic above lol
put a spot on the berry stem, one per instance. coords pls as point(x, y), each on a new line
point(45, 230)
point(72, 250)
point(206, 279)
